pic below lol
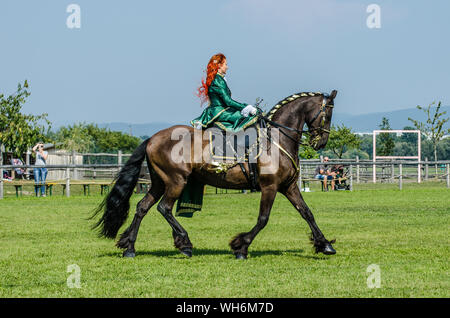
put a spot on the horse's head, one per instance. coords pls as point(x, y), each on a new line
point(318, 120)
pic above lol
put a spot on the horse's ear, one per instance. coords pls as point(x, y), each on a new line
point(332, 95)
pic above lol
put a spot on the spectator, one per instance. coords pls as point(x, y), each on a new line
point(323, 172)
point(40, 172)
point(19, 171)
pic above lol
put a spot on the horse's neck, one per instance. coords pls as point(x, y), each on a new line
point(289, 117)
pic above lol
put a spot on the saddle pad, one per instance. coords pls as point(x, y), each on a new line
point(237, 147)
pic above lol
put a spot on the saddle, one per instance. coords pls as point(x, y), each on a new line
point(238, 148)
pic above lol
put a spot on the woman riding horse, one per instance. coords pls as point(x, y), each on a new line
point(222, 110)
point(169, 176)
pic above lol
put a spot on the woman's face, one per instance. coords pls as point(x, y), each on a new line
point(224, 67)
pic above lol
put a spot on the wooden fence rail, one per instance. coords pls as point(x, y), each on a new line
point(350, 164)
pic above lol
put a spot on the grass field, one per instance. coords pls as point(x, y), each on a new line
point(405, 233)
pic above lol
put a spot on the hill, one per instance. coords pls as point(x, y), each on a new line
point(359, 123)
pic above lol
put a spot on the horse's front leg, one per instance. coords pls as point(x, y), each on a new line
point(321, 244)
point(240, 243)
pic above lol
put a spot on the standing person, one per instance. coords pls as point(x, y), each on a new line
point(324, 173)
point(40, 172)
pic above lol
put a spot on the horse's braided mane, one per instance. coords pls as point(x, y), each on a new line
point(290, 99)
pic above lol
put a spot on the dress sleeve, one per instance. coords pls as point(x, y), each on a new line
point(222, 92)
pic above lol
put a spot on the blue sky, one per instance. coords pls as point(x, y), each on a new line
point(141, 61)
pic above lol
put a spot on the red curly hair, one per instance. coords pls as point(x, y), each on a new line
point(214, 64)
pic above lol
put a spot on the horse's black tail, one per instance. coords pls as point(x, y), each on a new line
point(117, 203)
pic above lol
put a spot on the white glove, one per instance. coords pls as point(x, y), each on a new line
point(249, 109)
point(198, 125)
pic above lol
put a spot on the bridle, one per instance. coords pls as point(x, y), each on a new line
point(321, 128)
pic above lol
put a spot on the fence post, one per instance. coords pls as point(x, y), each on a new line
point(27, 162)
point(351, 177)
point(357, 169)
point(392, 171)
point(300, 177)
point(426, 168)
point(67, 182)
point(448, 175)
point(400, 177)
point(75, 171)
point(119, 160)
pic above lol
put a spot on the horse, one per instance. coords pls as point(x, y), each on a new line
point(168, 177)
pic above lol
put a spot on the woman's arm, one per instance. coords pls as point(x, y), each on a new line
point(222, 92)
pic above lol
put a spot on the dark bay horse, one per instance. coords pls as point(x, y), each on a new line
point(168, 177)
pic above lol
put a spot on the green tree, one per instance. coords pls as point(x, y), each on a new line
point(433, 127)
point(19, 131)
point(342, 139)
point(386, 144)
point(74, 138)
point(306, 151)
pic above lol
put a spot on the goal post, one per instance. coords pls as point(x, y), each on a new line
point(375, 157)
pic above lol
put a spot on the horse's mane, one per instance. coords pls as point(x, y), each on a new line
point(290, 99)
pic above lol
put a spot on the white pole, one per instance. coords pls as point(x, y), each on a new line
point(419, 167)
point(400, 178)
point(67, 182)
point(357, 170)
point(374, 153)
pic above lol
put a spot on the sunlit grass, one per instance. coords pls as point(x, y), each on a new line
point(404, 232)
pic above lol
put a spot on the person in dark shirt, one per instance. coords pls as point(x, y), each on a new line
point(323, 172)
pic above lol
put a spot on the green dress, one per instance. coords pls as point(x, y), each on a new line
point(223, 111)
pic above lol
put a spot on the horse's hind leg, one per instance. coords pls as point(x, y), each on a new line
point(165, 206)
point(128, 237)
point(320, 243)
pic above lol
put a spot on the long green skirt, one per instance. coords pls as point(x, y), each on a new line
point(191, 198)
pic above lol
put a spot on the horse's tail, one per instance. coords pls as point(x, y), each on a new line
point(117, 203)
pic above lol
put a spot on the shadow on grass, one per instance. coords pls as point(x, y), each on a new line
point(173, 253)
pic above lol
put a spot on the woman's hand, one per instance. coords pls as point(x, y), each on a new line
point(249, 109)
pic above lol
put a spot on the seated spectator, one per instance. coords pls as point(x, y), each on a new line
point(338, 171)
point(19, 171)
point(324, 173)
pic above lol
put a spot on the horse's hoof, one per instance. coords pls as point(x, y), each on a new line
point(329, 250)
point(240, 256)
point(187, 252)
point(129, 254)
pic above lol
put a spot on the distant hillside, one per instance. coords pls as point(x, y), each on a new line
point(359, 123)
point(397, 119)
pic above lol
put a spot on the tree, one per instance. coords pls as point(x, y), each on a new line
point(20, 131)
point(433, 128)
point(386, 144)
point(84, 137)
point(74, 138)
point(306, 151)
point(342, 139)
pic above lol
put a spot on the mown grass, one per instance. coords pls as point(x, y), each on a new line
point(404, 232)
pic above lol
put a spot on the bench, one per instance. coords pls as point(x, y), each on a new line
point(18, 184)
point(308, 180)
point(142, 185)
